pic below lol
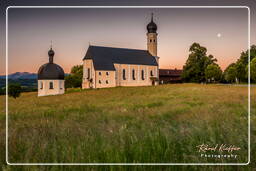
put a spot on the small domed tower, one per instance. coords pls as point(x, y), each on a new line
point(50, 78)
point(152, 37)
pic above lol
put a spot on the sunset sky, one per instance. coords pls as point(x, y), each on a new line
point(222, 31)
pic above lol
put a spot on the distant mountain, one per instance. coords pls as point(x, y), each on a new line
point(21, 75)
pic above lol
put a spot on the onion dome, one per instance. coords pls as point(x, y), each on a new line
point(50, 70)
point(152, 27)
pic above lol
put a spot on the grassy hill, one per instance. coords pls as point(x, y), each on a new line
point(161, 124)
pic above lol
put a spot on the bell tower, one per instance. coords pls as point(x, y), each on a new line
point(152, 37)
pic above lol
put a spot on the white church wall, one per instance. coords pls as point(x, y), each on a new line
point(44, 89)
point(137, 80)
point(105, 79)
point(88, 74)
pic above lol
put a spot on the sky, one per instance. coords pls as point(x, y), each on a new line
point(30, 32)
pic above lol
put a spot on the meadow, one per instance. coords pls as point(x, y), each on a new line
point(160, 124)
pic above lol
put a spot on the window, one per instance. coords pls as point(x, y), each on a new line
point(107, 73)
point(51, 85)
point(124, 74)
point(61, 85)
point(88, 73)
point(133, 74)
point(99, 73)
point(151, 73)
point(150, 40)
point(99, 82)
point(142, 74)
point(41, 85)
point(106, 81)
point(154, 40)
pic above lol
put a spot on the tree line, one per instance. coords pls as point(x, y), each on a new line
point(203, 68)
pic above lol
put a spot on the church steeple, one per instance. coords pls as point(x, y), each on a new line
point(152, 37)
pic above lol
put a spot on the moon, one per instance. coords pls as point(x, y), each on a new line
point(219, 35)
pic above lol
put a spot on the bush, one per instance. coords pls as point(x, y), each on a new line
point(14, 90)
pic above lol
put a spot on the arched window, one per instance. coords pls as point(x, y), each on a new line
point(154, 40)
point(124, 74)
point(106, 81)
point(133, 74)
point(107, 73)
point(151, 73)
point(99, 82)
point(88, 73)
point(150, 40)
point(51, 85)
point(41, 85)
point(99, 73)
point(142, 74)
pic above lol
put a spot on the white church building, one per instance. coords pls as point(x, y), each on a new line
point(111, 67)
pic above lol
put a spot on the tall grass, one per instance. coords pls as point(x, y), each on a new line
point(161, 124)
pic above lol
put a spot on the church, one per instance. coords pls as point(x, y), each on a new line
point(50, 78)
point(110, 67)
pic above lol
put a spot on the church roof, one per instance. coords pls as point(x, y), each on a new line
point(105, 57)
point(170, 72)
point(50, 70)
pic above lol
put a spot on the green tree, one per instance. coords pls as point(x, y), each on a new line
point(242, 63)
point(253, 70)
point(75, 78)
point(77, 70)
point(14, 90)
point(194, 68)
point(241, 71)
point(213, 73)
point(230, 73)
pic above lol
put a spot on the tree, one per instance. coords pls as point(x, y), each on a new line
point(77, 70)
point(230, 73)
point(252, 70)
point(14, 90)
point(213, 73)
point(241, 71)
point(75, 78)
point(242, 63)
point(197, 62)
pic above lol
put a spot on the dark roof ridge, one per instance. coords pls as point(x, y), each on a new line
point(117, 48)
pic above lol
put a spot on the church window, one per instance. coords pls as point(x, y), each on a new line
point(107, 73)
point(142, 74)
point(51, 85)
point(41, 85)
point(151, 73)
point(124, 74)
point(99, 73)
point(88, 73)
point(99, 82)
point(133, 74)
point(106, 81)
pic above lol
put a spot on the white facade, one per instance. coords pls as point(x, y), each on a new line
point(123, 75)
point(50, 87)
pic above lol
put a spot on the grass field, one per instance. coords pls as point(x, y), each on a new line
point(161, 124)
